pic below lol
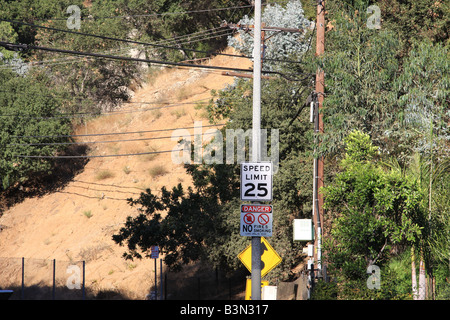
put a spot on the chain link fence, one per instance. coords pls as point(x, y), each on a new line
point(43, 279)
point(49, 279)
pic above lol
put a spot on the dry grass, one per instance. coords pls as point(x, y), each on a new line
point(150, 156)
point(157, 113)
point(104, 174)
point(178, 113)
point(131, 147)
point(157, 170)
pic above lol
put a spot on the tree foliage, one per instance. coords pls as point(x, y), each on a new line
point(278, 45)
point(360, 66)
point(374, 212)
point(27, 108)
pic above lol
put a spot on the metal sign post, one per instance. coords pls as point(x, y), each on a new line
point(155, 255)
point(256, 135)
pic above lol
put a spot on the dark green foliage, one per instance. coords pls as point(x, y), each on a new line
point(27, 107)
point(373, 211)
point(360, 66)
point(414, 20)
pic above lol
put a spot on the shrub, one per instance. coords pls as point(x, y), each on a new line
point(104, 174)
point(158, 170)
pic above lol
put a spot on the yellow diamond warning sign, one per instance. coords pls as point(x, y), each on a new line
point(269, 258)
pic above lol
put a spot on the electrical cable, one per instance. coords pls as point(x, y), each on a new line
point(108, 185)
point(95, 142)
point(93, 156)
point(227, 32)
point(114, 39)
point(23, 47)
point(88, 114)
point(117, 133)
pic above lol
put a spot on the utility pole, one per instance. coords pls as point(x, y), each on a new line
point(256, 141)
point(319, 161)
point(259, 38)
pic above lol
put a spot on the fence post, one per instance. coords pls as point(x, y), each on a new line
point(160, 280)
point(22, 294)
point(54, 279)
point(165, 286)
point(84, 281)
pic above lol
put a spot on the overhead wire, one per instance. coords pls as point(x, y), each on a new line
point(23, 47)
point(113, 39)
point(103, 134)
point(95, 142)
point(9, 45)
point(92, 156)
point(109, 113)
point(74, 59)
point(226, 32)
point(116, 133)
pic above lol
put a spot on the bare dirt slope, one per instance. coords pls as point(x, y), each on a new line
point(77, 222)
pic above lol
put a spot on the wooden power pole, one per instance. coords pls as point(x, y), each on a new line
point(319, 174)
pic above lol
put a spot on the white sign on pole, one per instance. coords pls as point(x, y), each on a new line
point(256, 220)
point(256, 181)
point(154, 252)
point(303, 230)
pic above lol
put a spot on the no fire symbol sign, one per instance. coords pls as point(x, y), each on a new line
point(256, 220)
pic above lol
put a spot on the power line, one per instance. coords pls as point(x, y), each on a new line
point(23, 47)
point(152, 44)
point(94, 142)
point(108, 185)
point(87, 114)
point(117, 133)
point(116, 39)
point(93, 156)
point(72, 58)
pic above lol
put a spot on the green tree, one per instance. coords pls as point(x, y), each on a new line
point(373, 211)
point(28, 108)
point(7, 34)
point(360, 65)
point(416, 20)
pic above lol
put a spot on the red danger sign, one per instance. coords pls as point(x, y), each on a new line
point(256, 208)
point(256, 220)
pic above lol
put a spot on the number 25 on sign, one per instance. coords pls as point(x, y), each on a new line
point(256, 181)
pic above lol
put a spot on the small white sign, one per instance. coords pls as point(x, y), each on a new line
point(154, 252)
point(269, 293)
point(303, 230)
point(256, 181)
point(256, 220)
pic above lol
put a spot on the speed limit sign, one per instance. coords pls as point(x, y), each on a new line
point(256, 181)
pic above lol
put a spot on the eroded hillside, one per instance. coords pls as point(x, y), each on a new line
point(76, 222)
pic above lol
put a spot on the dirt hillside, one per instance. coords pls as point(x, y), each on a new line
point(77, 222)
